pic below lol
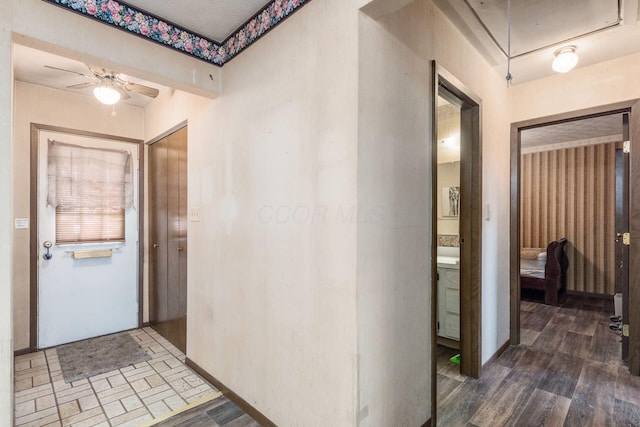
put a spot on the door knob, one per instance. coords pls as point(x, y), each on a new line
point(180, 249)
point(155, 245)
point(47, 255)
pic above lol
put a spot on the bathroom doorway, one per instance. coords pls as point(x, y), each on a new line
point(456, 236)
point(448, 235)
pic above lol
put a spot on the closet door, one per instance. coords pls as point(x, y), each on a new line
point(168, 237)
point(158, 180)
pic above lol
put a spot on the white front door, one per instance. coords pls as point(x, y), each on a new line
point(84, 298)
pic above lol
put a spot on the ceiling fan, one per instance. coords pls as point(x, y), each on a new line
point(108, 86)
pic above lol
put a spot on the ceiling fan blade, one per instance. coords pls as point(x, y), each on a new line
point(83, 85)
point(68, 71)
point(142, 89)
point(123, 93)
point(97, 71)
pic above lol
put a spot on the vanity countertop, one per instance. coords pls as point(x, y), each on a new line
point(448, 262)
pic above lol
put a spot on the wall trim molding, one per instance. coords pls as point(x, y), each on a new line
point(21, 352)
point(230, 394)
point(138, 22)
point(497, 354)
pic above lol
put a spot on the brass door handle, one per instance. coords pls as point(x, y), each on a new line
point(155, 245)
point(180, 249)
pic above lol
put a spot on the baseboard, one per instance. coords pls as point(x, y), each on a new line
point(589, 294)
point(427, 423)
point(497, 354)
point(22, 352)
point(231, 395)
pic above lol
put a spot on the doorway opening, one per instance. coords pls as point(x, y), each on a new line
point(586, 180)
point(456, 234)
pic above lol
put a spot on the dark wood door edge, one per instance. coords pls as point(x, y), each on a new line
point(231, 395)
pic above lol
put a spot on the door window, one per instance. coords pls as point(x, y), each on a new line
point(90, 189)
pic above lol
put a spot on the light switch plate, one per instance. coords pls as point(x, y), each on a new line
point(22, 223)
point(194, 214)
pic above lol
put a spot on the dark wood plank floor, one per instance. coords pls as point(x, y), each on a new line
point(220, 412)
point(566, 372)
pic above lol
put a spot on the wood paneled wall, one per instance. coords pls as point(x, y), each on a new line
point(571, 193)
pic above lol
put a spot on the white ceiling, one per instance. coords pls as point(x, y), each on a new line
point(536, 24)
point(29, 66)
point(577, 132)
point(544, 25)
point(215, 19)
point(599, 29)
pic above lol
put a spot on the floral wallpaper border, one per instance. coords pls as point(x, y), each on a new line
point(143, 24)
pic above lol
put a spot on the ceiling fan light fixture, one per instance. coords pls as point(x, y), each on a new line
point(106, 93)
point(566, 59)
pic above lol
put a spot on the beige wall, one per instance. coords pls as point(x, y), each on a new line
point(600, 84)
point(394, 177)
point(6, 169)
point(271, 276)
point(37, 104)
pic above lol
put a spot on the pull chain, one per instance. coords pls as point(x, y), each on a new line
point(509, 77)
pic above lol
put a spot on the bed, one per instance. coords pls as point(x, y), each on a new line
point(545, 270)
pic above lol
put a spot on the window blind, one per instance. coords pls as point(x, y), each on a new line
point(90, 189)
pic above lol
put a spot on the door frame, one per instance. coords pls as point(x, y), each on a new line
point(34, 247)
point(470, 227)
point(633, 107)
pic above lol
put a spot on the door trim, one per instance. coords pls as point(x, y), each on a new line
point(168, 132)
point(515, 216)
point(33, 221)
point(470, 228)
point(634, 229)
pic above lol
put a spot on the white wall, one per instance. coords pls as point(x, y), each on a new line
point(38, 104)
point(394, 192)
point(600, 84)
point(271, 276)
point(394, 176)
point(6, 301)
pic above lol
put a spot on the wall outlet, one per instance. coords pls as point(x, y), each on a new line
point(194, 214)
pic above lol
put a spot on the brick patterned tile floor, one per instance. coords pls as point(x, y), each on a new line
point(130, 396)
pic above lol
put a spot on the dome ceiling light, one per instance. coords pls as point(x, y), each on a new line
point(566, 59)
